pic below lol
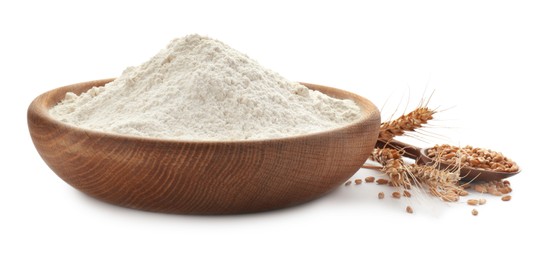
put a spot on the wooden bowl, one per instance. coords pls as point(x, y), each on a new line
point(201, 177)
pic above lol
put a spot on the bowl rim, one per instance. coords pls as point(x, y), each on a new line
point(369, 113)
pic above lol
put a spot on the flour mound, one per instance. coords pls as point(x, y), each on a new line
point(201, 89)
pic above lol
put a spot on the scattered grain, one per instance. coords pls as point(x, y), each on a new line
point(382, 181)
point(474, 212)
point(480, 188)
point(369, 179)
point(481, 201)
point(381, 195)
point(358, 181)
point(406, 194)
point(347, 183)
point(472, 202)
point(506, 198)
point(504, 190)
point(409, 209)
point(496, 193)
point(396, 195)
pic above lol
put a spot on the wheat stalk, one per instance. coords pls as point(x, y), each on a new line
point(405, 123)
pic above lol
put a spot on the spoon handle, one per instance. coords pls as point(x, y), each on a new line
point(410, 151)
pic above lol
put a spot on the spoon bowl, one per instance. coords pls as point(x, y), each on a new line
point(466, 173)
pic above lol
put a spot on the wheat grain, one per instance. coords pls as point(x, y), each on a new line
point(463, 193)
point(382, 181)
point(496, 188)
point(369, 179)
point(480, 188)
point(472, 202)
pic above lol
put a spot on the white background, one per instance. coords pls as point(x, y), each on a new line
point(484, 59)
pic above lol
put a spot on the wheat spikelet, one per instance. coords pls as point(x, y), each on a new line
point(409, 122)
point(383, 155)
point(393, 166)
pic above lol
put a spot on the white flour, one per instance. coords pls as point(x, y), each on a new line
point(201, 89)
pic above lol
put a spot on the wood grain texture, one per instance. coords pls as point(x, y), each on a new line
point(209, 177)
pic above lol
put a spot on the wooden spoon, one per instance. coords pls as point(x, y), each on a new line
point(467, 173)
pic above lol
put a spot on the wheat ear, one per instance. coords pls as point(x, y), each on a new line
point(405, 123)
point(441, 183)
